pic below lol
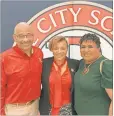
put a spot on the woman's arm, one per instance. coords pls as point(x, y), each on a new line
point(110, 94)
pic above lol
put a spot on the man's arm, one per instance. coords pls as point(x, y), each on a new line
point(3, 81)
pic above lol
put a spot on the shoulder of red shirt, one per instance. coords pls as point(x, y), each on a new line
point(11, 51)
point(36, 49)
point(6, 53)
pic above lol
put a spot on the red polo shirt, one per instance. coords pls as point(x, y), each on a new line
point(20, 76)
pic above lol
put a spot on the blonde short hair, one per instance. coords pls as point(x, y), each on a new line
point(56, 40)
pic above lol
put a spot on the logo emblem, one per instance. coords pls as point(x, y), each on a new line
point(73, 19)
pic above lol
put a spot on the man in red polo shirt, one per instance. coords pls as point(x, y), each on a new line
point(21, 74)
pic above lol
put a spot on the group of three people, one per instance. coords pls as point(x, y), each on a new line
point(69, 87)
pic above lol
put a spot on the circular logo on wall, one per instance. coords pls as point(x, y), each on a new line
point(73, 19)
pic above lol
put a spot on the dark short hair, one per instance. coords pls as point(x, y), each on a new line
point(91, 37)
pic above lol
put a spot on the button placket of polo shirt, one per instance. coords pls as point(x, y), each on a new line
point(29, 90)
point(29, 64)
point(30, 60)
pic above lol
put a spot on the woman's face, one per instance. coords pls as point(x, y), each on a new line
point(60, 50)
point(89, 51)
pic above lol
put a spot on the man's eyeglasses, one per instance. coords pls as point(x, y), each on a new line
point(21, 36)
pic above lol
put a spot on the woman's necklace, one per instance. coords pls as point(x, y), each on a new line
point(86, 68)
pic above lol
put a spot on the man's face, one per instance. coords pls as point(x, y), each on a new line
point(60, 50)
point(24, 37)
point(89, 51)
